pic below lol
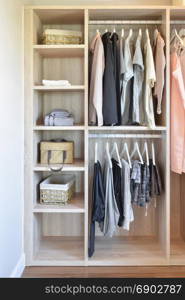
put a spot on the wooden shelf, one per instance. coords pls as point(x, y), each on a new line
point(43, 88)
point(126, 128)
point(78, 165)
point(75, 205)
point(60, 50)
point(50, 128)
point(127, 251)
point(62, 250)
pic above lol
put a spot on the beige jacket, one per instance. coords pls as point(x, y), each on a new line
point(96, 81)
point(160, 62)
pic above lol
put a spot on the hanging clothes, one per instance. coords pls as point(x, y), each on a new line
point(135, 181)
point(96, 81)
point(177, 110)
point(116, 56)
point(126, 195)
point(138, 70)
point(122, 65)
point(110, 112)
point(127, 83)
point(149, 81)
point(98, 205)
point(144, 188)
point(111, 210)
point(160, 63)
point(155, 184)
point(117, 181)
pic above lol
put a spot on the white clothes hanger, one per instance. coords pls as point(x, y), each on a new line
point(96, 152)
point(108, 155)
point(182, 35)
point(136, 149)
point(153, 153)
point(175, 35)
point(97, 31)
point(106, 30)
point(140, 32)
point(130, 33)
point(125, 149)
point(147, 33)
point(145, 151)
point(122, 32)
point(115, 149)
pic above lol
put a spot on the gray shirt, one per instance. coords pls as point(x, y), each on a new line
point(126, 94)
point(126, 195)
point(138, 66)
point(111, 209)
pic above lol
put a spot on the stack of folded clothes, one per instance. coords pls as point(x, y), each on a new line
point(56, 83)
point(59, 117)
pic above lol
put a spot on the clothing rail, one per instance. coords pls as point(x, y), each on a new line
point(178, 22)
point(117, 22)
point(130, 136)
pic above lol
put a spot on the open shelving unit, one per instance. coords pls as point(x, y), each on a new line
point(58, 235)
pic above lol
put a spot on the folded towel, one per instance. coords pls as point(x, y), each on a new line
point(63, 122)
point(56, 82)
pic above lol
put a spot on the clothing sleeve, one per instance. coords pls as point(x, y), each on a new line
point(160, 63)
point(151, 67)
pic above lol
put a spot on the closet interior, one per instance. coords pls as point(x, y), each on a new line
point(59, 234)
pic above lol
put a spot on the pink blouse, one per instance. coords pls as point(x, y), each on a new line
point(177, 113)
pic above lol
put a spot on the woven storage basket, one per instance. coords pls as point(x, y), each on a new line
point(57, 189)
point(61, 37)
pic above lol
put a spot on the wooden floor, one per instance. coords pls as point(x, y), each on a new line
point(111, 272)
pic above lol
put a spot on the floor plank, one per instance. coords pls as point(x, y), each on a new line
point(106, 272)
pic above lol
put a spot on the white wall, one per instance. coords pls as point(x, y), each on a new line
point(99, 2)
point(11, 137)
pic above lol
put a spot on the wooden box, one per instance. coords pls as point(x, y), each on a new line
point(57, 152)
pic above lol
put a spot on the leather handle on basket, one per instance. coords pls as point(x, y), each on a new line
point(49, 158)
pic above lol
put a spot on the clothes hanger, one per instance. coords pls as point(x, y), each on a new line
point(97, 31)
point(122, 32)
point(115, 149)
point(130, 33)
point(96, 153)
point(114, 31)
point(182, 35)
point(136, 149)
point(125, 149)
point(140, 32)
point(147, 33)
point(153, 153)
point(106, 30)
point(108, 154)
point(175, 35)
point(145, 151)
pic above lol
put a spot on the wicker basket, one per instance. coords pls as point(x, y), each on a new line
point(57, 189)
point(61, 37)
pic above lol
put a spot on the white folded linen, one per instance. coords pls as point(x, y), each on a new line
point(59, 117)
point(56, 82)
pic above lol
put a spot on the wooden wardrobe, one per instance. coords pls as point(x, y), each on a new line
point(58, 236)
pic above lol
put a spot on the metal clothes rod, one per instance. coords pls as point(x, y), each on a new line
point(144, 22)
point(130, 136)
point(178, 22)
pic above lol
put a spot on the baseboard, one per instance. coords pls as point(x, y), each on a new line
point(19, 268)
